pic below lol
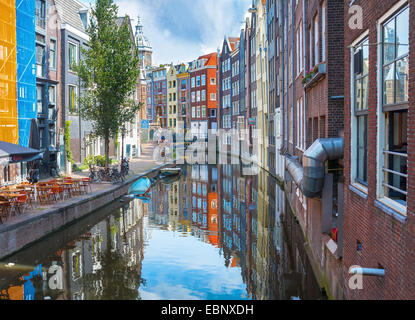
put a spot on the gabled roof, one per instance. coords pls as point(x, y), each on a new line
point(120, 20)
point(211, 59)
point(231, 42)
point(68, 11)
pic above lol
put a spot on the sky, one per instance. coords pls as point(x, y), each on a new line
point(185, 268)
point(183, 30)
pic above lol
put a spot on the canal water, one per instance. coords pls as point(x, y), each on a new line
point(210, 233)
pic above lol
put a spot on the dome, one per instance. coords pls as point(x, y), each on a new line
point(142, 42)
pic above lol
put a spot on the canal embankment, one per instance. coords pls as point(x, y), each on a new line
point(38, 223)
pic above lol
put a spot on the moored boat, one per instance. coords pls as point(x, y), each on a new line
point(140, 187)
point(170, 171)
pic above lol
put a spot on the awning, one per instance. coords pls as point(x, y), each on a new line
point(16, 153)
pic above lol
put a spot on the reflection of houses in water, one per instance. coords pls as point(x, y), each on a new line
point(251, 238)
point(174, 205)
point(117, 240)
point(159, 204)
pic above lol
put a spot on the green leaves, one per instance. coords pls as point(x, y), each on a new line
point(109, 72)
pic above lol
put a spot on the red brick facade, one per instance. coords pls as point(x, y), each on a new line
point(387, 238)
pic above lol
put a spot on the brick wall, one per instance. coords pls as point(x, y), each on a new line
point(386, 241)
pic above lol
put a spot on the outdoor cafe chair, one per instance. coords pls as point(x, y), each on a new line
point(86, 183)
point(21, 202)
point(5, 208)
point(43, 194)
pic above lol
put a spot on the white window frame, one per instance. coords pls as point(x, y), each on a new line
point(353, 122)
point(381, 116)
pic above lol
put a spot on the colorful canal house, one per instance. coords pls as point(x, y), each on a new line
point(17, 79)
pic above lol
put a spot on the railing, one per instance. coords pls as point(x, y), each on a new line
point(393, 172)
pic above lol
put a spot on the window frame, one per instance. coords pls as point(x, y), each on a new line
point(382, 110)
point(70, 43)
point(70, 110)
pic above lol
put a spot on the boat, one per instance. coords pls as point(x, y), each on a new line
point(169, 179)
point(140, 187)
point(170, 171)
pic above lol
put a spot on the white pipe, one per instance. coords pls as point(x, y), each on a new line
point(368, 271)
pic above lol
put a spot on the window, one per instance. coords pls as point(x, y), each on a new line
point(193, 96)
point(198, 96)
point(203, 80)
point(40, 60)
point(213, 97)
point(40, 13)
point(212, 81)
point(212, 113)
point(203, 95)
point(73, 105)
point(193, 112)
point(203, 111)
point(316, 42)
point(39, 98)
point(198, 112)
point(73, 56)
point(361, 86)
point(52, 95)
point(198, 81)
point(310, 51)
point(52, 54)
point(323, 32)
point(193, 82)
point(395, 59)
point(300, 124)
point(394, 117)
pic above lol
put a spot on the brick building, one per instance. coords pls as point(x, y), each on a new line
point(203, 106)
point(311, 98)
point(379, 222)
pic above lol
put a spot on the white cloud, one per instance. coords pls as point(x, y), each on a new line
point(210, 20)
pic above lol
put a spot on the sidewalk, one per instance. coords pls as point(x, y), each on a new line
point(137, 166)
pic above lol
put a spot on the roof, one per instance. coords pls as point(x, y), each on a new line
point(211, 59)
point(120, 20)
point(68, 11)
point(9, 149)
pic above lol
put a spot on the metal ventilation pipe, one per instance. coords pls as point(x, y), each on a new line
point(368, 271)
point(310, 177)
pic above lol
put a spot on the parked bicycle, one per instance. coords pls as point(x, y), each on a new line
point(93, 175)
point(110, 175)
point(125, 166)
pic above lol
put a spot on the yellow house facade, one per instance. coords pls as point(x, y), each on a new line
point(8, 69)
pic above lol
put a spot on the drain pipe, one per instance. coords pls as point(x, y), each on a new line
point(310, 177)
point(368, 271)
point(282, 86)
point(293, 73)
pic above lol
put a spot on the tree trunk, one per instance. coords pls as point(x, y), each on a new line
point(122, 146)
point(107, 151)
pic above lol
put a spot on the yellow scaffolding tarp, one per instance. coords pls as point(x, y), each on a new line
point(8, 69)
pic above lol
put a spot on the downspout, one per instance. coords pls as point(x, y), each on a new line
point(310, 177)
point(293, 71)
point(304, 64)
point(282, 86)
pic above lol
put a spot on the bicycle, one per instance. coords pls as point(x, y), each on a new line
point(93, 175)
point(116, 176)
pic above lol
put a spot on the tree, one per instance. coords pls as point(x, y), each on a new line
point(108, 73)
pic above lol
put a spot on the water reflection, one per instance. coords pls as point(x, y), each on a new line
point(211, 234)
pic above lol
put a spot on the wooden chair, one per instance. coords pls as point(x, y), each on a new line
point(21, 202)
point(44, 196)
point(5, 208)
point(86, 183)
